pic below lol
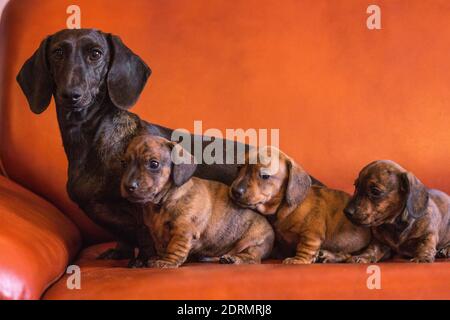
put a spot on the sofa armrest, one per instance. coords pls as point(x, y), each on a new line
point(36, 242)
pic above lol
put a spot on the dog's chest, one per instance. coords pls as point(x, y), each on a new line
point(160, 224)
point(97, 171)
point(93, 178)
point(286, 235)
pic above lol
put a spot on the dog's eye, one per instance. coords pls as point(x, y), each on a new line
point(124, 163)
point(375, 192)
point(95, 54)
point(153, 164)
point(264, 176)
point(58, 53)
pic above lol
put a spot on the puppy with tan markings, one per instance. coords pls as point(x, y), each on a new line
point(306, 218)
point(406, 217)
point(188, 216)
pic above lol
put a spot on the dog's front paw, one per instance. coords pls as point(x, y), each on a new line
point(162, 264)
point(425, 259)
point(360, 259)
point(296, 261)
point(230, 259)
point(325, 256)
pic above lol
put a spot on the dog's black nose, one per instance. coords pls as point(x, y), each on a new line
point(72, 96)
point(237, 192)
point(131, 187)
point(349, 211)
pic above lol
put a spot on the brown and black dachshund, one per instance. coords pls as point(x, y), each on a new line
point(188, 216)
point(309, 221)
point(406, 217)
point(95, 78)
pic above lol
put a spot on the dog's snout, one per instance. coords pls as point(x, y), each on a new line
point(72, 95)
point(131, 187)
point(238, 192)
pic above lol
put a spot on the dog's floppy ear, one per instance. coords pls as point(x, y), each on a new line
point(35, 79)
point(183, 164)
point(298, 184)
point(417, 195)
point(127, 74)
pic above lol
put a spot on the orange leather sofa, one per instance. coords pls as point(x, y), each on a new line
point(341, 95)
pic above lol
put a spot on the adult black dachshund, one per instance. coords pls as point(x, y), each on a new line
point(95, 79)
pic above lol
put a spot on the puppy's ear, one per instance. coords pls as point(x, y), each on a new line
point(183, 164)
point(127, 74)
point(35, 79)
point(298, 184)
point(417, 195)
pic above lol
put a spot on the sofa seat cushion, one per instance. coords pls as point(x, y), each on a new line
point(271, 280)
point(36, 242)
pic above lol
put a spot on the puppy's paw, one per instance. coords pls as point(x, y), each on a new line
point(296, 261)
point(162, 264)
point(230, 259)
point(114, 254)
point(360, 259)
point(325, 256)
point(425, 259)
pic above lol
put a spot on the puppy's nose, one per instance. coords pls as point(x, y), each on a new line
point(72, 96)
point(349, 211)
point(237, 192)
point(131, 187)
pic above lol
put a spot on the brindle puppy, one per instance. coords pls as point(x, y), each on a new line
point(189, 216)
point(406, 217)
point(308, 218)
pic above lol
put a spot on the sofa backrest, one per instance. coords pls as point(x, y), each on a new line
point(342, 95)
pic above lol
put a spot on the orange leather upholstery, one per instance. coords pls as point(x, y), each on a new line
point(341, 95)
point(36, 243)
point(112, 280)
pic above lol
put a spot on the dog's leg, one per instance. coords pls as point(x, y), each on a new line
point(373, 253)
point(145, 246)
point(144, 242)
point(307, 249)
point(426, 250)
point(176, 253)
point(250, 255)
point(114, 215)
point(122, 251)
point(325, 256)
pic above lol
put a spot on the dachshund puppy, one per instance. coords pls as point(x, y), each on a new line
point(307, 218)
point(406, 218)
point(188, 216)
